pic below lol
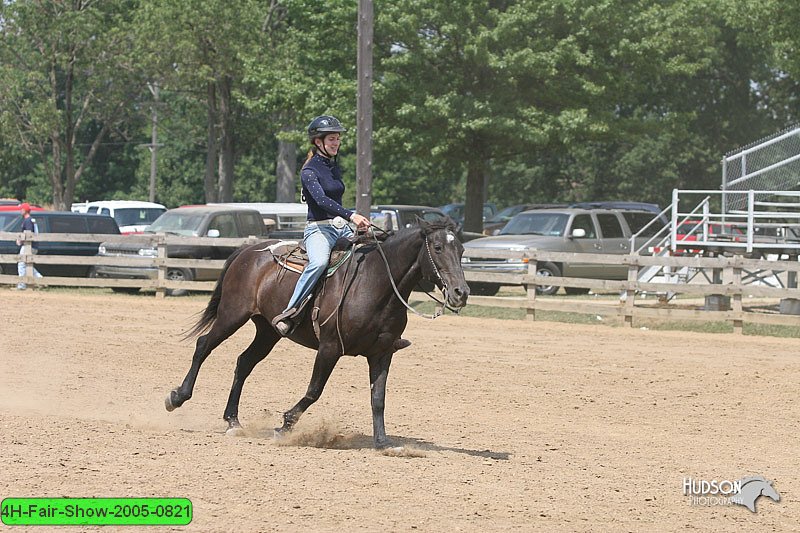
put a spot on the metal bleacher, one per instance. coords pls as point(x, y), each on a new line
point(755, 213)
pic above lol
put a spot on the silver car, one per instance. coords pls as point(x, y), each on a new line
point(574, 230)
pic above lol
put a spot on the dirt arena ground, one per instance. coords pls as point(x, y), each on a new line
point(504, 424)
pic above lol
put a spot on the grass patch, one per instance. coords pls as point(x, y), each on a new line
point(504, 313)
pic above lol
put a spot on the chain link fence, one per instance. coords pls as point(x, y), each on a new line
point(768, 165)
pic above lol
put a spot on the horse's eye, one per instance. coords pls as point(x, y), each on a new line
point(438, 247)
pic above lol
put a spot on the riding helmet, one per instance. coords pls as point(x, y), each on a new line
point(323, 125)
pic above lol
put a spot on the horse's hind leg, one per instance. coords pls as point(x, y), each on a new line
point(323, 366)
point(224, 327)
point(262, 344)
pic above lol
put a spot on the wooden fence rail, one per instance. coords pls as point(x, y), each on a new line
point(630, 307)
point(160, 262)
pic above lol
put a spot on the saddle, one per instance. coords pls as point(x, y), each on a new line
point(292, 255)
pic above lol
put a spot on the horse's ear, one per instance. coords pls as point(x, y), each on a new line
point(424, 224)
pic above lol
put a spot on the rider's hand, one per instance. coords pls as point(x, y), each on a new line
point(360, 220)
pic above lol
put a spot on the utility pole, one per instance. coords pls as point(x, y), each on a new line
point(153, 140)
point(364, 108)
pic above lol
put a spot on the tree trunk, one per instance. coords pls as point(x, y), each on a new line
point(285, 170)
point(473, 208)
point(55, 171)
point(69, 142)
point(226, 155)
point(209, 180)
point(55, 146)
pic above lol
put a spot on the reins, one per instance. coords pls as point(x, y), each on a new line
point(338, 309)
point(397, 292)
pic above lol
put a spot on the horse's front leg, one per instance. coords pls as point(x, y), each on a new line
point(323, 366)
point(378, 372)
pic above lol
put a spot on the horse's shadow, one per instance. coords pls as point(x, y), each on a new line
point(413, 447)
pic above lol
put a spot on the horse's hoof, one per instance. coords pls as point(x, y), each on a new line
point(399, 344)
point(280, 433)
point(235, 431)
point(168, 401)
point(385, 445)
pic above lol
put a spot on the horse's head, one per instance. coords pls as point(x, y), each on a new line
point(753, 487)
point(769, 491)
point(440, 260)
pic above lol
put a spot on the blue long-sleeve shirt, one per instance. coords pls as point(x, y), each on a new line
point(323, 189)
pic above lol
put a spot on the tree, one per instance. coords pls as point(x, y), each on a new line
point(64, 82)
point(576, 88)
point(458, 84)
point(198, 47)
point(304, 67)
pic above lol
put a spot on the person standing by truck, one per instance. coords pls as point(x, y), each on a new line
point(27, 225)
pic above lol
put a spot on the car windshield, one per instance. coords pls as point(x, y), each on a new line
point(131, 216)
point(180, 223)
point(506, 214)
point(550, 224)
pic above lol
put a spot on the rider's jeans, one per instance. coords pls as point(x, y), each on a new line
point(319, 240)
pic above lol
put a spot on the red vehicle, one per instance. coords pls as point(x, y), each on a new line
point(692, 230)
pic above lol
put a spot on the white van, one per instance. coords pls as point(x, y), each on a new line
point(131, 216)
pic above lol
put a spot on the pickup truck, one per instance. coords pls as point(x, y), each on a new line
point(190, 221)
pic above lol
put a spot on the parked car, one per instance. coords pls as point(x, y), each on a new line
point(61, 222)
point(456, 211)
point(190, 221)
point(284, 220)
point(9, 212)
point(395, 216)
point(493, 225)
point(614, 204)
point(694, 237)
point(131, 216)
point(573, 230)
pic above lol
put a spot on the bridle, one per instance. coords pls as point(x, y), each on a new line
point(439, 310)
point(443, 305)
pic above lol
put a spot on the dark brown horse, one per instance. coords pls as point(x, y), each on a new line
point(366, 315)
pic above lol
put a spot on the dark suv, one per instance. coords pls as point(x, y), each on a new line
point(190, 221)
point(61, 222)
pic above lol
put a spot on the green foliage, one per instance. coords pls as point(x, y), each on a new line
point(545, 101)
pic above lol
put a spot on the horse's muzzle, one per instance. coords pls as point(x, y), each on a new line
point(457, 296)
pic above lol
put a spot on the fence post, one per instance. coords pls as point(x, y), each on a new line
point(161, 245)
point(27, 258)
point(736, 306)
point(630, 291)
point(530, 288)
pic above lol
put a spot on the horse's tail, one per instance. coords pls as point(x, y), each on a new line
point(210, 314)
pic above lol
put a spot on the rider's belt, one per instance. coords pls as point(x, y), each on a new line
point(336, 222)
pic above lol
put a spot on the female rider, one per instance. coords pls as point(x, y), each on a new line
point(323, 188)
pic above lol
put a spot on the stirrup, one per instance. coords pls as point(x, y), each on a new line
point(289, 313)
point(284, 327)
